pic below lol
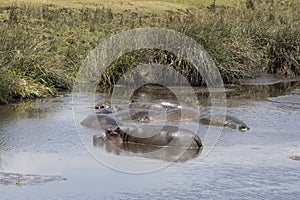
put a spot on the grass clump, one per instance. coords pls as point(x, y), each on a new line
point(249, 39)
point(43, 45)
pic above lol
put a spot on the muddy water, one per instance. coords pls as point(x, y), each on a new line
point(42, 155)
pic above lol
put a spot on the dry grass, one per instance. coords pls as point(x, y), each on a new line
point(43, 42)
point(143, 6)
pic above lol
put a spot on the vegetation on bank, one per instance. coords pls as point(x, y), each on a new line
point(43, 45)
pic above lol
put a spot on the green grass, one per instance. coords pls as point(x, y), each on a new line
point(143, 6)
point(44, 42)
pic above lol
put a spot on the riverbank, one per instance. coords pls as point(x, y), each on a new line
point(43, 45)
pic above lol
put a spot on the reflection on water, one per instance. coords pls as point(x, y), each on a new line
point(42, 126)
point(39, 142)
point(264, 88)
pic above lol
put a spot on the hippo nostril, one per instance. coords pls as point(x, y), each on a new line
point(244, 128)
point(118, 129)
point(198, 141)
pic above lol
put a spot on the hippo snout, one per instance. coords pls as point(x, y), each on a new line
point(197, 142)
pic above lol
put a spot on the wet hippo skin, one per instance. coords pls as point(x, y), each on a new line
point(170, 136)
point(173, 115)
point(100, 121)
point(133, 114)
point(169, 154)
point(295, 157)
point(222, 120)
point(104, 111)
point(155, 104)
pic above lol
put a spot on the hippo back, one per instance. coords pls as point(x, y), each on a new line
point(100, 121)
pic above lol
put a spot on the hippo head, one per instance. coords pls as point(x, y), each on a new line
point(243, 127)
point(239, 126)
point(101, 106)
point(145, 119)
point(115, 135)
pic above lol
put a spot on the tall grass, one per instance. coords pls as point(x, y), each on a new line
point(42, 46)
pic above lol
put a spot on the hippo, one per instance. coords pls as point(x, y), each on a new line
point(222, 120)
point(100, 106)
point(133, 114)
point(295, 157)
point(168, 105)
point(100, 121)
point(168, 154)
point(173, 115)
point(155, 104)
point(104, 111)
point(166, 136)
point(168, 143)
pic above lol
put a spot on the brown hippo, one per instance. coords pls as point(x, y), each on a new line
point(295, 157)
point(222, 120)
point(155, 104)
point(133, 114)
point(169, 154)
point(173, 115)
point(168, 105)
point(166, 136)
point(100, 121)
point(104, 111)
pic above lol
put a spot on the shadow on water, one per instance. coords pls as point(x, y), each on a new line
point(259, 88)
point(263, 88)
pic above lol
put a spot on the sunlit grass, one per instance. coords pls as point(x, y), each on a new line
point(44, 42)
point(133, 5)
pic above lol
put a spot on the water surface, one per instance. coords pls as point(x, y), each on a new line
point(42, 156)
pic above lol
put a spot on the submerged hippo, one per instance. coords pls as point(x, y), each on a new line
point(166, 136)
point(155, 104)
point(173, 115)
point(133, 114)
point(104, 111)
point(223, 120)
point(100, 121)
point(147, 151)
point(295, 157)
